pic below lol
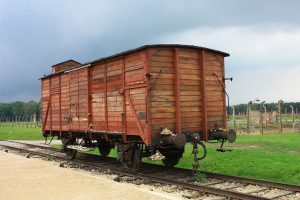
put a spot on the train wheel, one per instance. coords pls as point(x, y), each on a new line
point(134, 160)
point(104, 150)
point(171, 159)
point(70, 153)
point(130, 155)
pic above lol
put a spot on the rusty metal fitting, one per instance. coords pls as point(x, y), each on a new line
point(230, 135)
point(179, 140)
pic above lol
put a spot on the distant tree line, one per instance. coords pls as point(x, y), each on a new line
point(19, 109)
point(286, 107)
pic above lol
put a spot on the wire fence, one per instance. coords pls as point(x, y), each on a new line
point(20, 121)
point(261, 122)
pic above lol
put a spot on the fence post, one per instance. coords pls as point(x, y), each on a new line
point(266, 114)
point(293, 117)
point(286, 115)
point(248, 116)
point(233, 118)
point(34, 120)
point(261, 118)
point(279, 112)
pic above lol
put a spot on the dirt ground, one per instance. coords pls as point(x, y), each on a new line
point(23, 178)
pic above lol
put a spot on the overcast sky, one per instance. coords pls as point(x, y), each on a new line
point(263, 38)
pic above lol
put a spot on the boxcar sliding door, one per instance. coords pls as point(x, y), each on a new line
point(78, 90)
point(135, 95)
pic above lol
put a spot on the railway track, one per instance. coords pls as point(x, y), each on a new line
point(220, 186)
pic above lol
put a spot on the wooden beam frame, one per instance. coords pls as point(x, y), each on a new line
point(148, 98)
point(105, 96)
point(224, 96)
point(124, 102)
point(60, 119)
point(70, 124)
point(46, 116)
point(203, 93)
point(77, 105)
point(90, 111)
point(50, 99)
point(138, 123)
point(177, 91)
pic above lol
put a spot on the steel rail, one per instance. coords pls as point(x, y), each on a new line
point(191, 186)
point(284, 186)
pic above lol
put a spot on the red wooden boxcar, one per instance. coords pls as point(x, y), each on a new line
point(142, 100)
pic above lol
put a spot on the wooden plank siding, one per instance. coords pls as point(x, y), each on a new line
point(190, 75)
point(188, 67)
point(78, 85)
point(130, 93)
point(65, 102)
point(111, 108)
point(163, 105)
point(215, 97)
point(134, 76)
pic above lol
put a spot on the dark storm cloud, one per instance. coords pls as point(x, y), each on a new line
point(37, 34)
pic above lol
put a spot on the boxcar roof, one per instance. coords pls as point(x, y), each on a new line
point(65, 62)
point(137, 49)
point(159, 45)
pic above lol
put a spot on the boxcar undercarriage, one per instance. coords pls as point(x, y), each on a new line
point(130, 153)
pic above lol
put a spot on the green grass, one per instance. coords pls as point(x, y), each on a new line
point(283, 141)
point(274, 157)
point(20, 133)
point(260, 163)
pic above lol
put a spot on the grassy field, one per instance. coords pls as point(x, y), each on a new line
point(20, 133)
point(274, 157)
